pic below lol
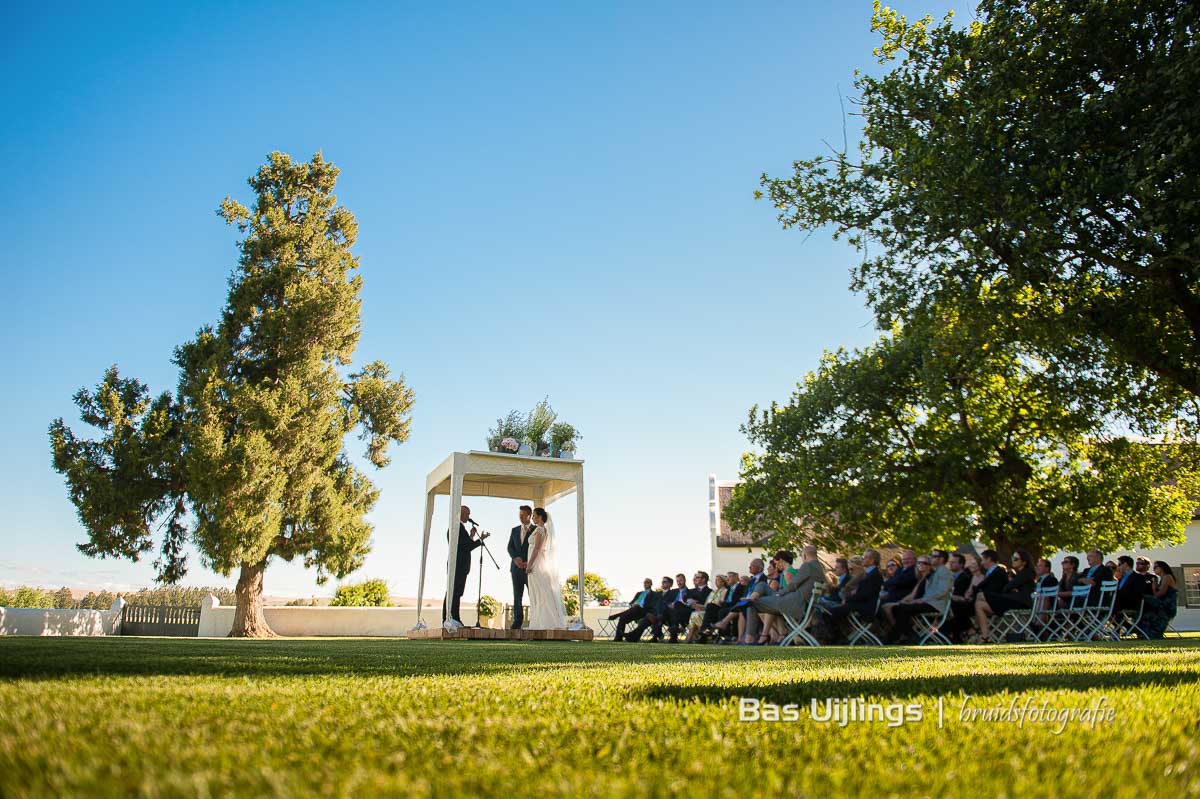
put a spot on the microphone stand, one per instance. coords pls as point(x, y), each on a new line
point(479, 590)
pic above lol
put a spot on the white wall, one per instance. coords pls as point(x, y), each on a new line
point(38, 621)
point(216, 620)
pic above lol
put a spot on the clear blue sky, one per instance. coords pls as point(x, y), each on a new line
point(552, 199)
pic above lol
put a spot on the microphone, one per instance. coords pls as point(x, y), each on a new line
point(472, 521)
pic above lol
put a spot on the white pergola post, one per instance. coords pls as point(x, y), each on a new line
point(425, 530)
point(456, 496)
point(579, 537)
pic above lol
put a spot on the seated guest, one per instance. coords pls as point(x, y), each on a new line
point(653, 618)
point(962, 577)
point(934, 594)
point(701, 623)
point(738, 618)
point(862, 598)
point(1070, 578)
point(1161, 605)
point(717, 610)
point(793, 594)
point(841, 573)
point(1043, 572)
point(678, 609)
point(987, 575)
point(1142, 567)
point(1131, 586)
point(1095, 574)
point(1017, 594)
point(696, 604)
point(917, 591)
point(724, 629)
point(901, 582)
point(643, 601)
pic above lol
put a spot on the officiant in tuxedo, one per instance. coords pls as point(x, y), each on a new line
point(518, 550)
point(467, 543)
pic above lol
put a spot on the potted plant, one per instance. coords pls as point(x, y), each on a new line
point(563, 438)
point(488, 609)
point(511, 427)
point(537, 424)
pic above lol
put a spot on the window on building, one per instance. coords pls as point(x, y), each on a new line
point(1191, 584)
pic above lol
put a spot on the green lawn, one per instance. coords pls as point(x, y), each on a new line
point(370, 717)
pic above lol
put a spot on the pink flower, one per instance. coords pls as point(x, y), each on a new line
point(510, 444)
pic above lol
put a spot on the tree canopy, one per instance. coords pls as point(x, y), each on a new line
point(944, 432)
point(247, 460)
point(1052, 143)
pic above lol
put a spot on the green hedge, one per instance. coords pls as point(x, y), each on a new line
point(368, 594)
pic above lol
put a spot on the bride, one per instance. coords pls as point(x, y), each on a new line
point(546, 610)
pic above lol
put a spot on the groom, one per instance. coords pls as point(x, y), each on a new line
point(518, 550)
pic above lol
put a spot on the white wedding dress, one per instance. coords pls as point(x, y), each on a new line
point(546, 611)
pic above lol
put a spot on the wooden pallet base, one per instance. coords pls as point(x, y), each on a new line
point(488, 634)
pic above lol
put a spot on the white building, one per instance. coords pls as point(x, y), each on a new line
point(732, 549)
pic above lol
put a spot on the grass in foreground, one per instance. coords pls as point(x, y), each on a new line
point(371, 717)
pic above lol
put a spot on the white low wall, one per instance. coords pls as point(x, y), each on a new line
point(216, 620)
point(38, 621)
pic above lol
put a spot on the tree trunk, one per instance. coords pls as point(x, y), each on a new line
point(248, 618)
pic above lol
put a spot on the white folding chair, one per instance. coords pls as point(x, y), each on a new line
point(928, 626)
point(1127, 623)
point(799, 629)
point(1069, 615)
point(1096, 616)
point(1019, 620)
point(862, 630)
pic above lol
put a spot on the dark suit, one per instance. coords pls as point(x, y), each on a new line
point(862, 598)
point(654, 617)
point(1097, 574)
point(462, 567)
point(962, 613)
point(899, 584)
point(638, 608)
point(1130, 590)
point(520, 577)
point(962, 581)
point(680, 611)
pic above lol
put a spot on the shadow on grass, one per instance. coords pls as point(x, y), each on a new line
point(902, 688)
point(52, 658)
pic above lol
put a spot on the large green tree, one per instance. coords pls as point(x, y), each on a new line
point(1051, 142)
point(246, 460)
point(946, 431)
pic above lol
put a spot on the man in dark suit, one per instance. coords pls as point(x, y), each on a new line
point(962, 577)
point(1141, 568)
point(642, 601)
point(654, 618)
point(518, 550)
point(462, 566)
point(1095, 574)
point(1131, 587)
point(863, 598)
point(904, 580)
point(694, 600)
point(995, 576)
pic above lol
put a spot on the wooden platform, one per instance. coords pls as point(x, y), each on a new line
point(488, 634)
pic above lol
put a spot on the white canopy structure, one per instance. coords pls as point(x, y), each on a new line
point(539, 481)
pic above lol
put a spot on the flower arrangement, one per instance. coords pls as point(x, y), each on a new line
point(563, 436)
point(511, 427)
point(488, 607)
point(539, 429)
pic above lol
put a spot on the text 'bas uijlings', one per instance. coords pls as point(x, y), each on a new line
point(842, 712)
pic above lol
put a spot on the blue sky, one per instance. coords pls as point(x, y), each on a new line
point(553, 200)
